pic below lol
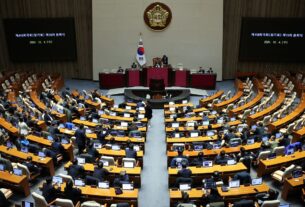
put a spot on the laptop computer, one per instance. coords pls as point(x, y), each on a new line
point(124, 124)
point(103, 185)
point(207, 163)
point(79, 183)
point(220, 121)
point(81, 161)
point(128, 164)
point(115, 147)
point(58, 180)
point(256, 181)
point(50, 138)
point(234, 184)
point(141, 116)
point(175, 125)
point(27, 204)
point(177, 135)
point(194, 134)
point(198, 147)
point(127, 186)
point(24, 149)
point(231, 162)
point(126, 115)
point(17, 171)
point(97, 145)
point(82, 118)
point(250, 141)
point(210, 133)
point(205, 123)
point(41, 154)
point(2, 167)
point(184, 186)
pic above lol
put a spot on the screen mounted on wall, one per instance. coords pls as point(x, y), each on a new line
point(272, 39)
point(40, 39)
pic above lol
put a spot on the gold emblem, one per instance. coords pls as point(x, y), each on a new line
point(157, 16)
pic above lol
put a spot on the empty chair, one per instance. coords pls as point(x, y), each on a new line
point(129, 160)
point(88, 158)
point(66, 178)
point(215, 101)
point(229, 94)
point(64, 202)
point(6, 192)
point(223, 97)
point(280, 175)
point(235, 142)
point(262, 156)
point(107, 160)
point(245, 114)
point(273, 203)
point(288, 130)
point(5, 88)
point(17, 76)
point(229, 107)
point(91, 204)
point(279, 151)
point(7, 83)
point(265, 80)
point(39, 200)
point(266, 120)
point(298, 124)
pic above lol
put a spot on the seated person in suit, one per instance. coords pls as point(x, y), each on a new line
point(260, 130)
point(211, 197)
point(49, 192)
point(185, 199)
point(92, 151)
point(229, 135)
point(176, 161)
point(244, 177)
point(244, 203)
point(198, 160)
point(222, 158)
point(52, 154)
point(57, 146)
point(285, 141)
point(72, 193)
point(3, 201)
point(75, 170)
point(121, 179)
point(100, 172)
point(184, 172)
point(130, 152)
point(270, 195)
point(31, 166)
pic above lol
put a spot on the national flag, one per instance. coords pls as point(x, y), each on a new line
point(141, 54)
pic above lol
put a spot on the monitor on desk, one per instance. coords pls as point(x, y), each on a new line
point(208, 163)
point(177, 135)
point(175, 125)
point(234, 184)
point(112, 113)
point(190, 124)
point(250, 141)
point(231, 162)
point(9, 144)
point(82, 118)
point(97, 145)
point(95, 121)
point(127, 186)
point(24, 149)
point(184, 186)
point(232, 119)
point(128, 164)
point(220, 121)
point(210, 133)
point(290, 151)
point(141, 108)
point(17, 171)
point(124, 124)
point(27, 204)
point(115, 147)
point(205, 123)
point(209, 184)
point(256, 181)
point(50, 138)
point(198, 147)
point(2, 167)
point(141, 116)
point(126, 115)
point(194, 134)
point(100, 112)
point(103, 185)
point(278, 135)
point(297, 173)
point(41, 154)
point(253, 127)
point(57, 180)
point(79, 183)
point(81, 161)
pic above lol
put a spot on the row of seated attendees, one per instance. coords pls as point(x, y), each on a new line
point(42, 134)
point(193, 150)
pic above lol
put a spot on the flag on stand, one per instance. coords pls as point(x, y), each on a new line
point(140, 53)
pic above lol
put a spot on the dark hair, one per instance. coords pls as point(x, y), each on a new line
point(100, 164)
point(29, 158)
point(222, 153)
point(69, 186)
point(200, 154)
point(49, 180)
point(75, 161)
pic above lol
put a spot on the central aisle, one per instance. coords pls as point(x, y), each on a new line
point(154, 177)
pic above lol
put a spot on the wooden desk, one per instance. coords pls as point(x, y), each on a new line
point(293, 184)
point(85, 122)
point(199, 173)
point(298, 135)
point(116, 127)
point(191, 139)
point(19, 183)
point(166, 106)
point(40, 140)
point(253, 102)
point(194, 118)
point(239, 88)
point(8, 126)
point(117, 153)
point(290, 117)
point(125, 139)
point(267, 166)
point(119, 118)
point(195, 195)
point(71, 133)
point(205, 101)
point(214, 152)
point(46, 162)
point(243, 191)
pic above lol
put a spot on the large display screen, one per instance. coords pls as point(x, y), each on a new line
point(272, 39)
point(40, 39)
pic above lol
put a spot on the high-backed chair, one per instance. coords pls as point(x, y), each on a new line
point(262, 156)
point(66, 178)
point(108, 159)
point(272, 203)
point(91, 204)
point(6, 192)
point(279, 151)
point(129, 160)
point(266, 120)
point(281, 175)
point(25, 171)
point(186, 205)
point(245, 114)
point(39, 200)
point(65, 203)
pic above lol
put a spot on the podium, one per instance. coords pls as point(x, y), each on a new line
point(156, 73)
point(133, 77)
point(111, 80)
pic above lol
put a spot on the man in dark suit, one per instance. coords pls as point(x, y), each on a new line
point(56, 146)
point(229, 135)
point(244, 177)
point(130, 152)
point(244, 203)
point(179, 159)
point(75, 170)
point(100, 172)
point(123, 178)
point(47, 117)
point(184, 172)
point(31, 166)
point(92, 151)
point(221, 158)
point(80, 135)
point(260, 130)
point(48, 190)
point(285, 141)
point(3, 201)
